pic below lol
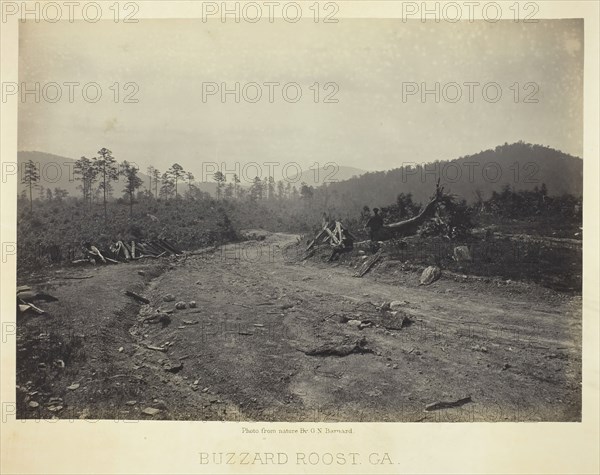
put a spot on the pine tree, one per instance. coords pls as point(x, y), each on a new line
point(156, 175)
point(176, 173)
point(150, 172)
point(167, 188)
point(190, 179)
point(108, 171)
point(31, 177)
point(220, 179)
point(87, 175)
point(256, 190)
point(236, 186)
point(132, 182)
point(271, 187)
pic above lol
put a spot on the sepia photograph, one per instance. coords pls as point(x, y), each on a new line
point(289, 212)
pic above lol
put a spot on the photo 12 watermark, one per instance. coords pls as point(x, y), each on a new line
point(454, 12)
point(70, 92)
point(270, 11)
point(270, 91)
point(54, 12)
point(290, 172)
point(469, 91)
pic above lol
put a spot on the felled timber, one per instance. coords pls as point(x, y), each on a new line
point(368, 264)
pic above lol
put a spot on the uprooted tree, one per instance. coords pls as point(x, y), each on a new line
point(410, 226)
point(342, 240)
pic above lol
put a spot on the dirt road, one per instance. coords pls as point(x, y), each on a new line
point(259, 344)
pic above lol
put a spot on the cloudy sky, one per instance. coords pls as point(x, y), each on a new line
point(370, 60)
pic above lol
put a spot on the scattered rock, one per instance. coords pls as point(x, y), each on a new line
point(483, 349)
point(55, 408)
point(462, 254)
point(430, 275)
point(34, 404)
point(354, 323)
point(163, 318)
point(73, 386)
point(131, 403)
point(121, 349)
point(180, 305)
point(169, 298)
point(396, 304)
point(141, 272)
point(173, 366)
point(505, 366)
point(394, 320)
point(192, 304)
point(150, 411)
point(160, 404)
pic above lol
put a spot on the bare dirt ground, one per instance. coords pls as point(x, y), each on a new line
point(266, 340)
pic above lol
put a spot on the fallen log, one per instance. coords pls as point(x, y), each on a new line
point(170, 246)
point(157, 348)
point(137, 297)
point(366, 267)
point(150, 255)
point(24, 306)
point(410, 226)
point(344, 348)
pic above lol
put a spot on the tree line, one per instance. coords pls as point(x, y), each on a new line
point(98, 174)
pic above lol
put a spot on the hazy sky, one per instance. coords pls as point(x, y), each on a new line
point(371, 127)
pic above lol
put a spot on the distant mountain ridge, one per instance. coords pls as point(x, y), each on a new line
point(330, 173)
point(520, 165)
